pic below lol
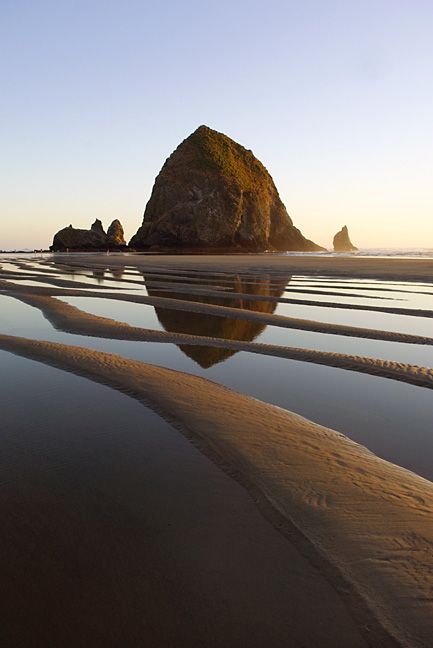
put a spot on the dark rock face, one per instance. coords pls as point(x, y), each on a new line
point(115, 235)
point(97, 228)
point(212, 193)
point(95, 238)
point(342, 242)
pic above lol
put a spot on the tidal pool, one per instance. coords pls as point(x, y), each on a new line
point(393, 419)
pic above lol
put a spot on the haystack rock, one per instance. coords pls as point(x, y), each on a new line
point(342, 242)
point(212, 193)
point(70, 238)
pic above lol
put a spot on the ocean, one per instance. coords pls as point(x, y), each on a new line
point(397, 253)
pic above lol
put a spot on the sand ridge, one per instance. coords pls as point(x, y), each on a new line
point(11, 289)
point(220, 293)
point(414, 312)
point(405, 269)
point(369, 522)
point(73, 320)
point(370, 519)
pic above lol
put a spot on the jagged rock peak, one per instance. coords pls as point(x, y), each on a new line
point(97, 227)
point(342, 242)
point(212, 193)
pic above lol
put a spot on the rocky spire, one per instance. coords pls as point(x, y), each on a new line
point(342, 242)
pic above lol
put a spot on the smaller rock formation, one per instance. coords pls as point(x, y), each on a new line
point(97, 228)
point(115, 235)
point(70, 238)
point(342, 242)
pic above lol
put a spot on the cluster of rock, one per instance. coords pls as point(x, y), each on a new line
point(211, 194)
point(94, 239)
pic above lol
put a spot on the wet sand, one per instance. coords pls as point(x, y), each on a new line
point(39, 294)
point(366, 267)
point(117, 532)
point(358, 528)
point(352, 508)
point(73, 320)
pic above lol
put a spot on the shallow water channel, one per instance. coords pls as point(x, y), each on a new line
point(393, 419)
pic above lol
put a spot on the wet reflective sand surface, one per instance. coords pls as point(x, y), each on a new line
point(373, 411)
point(110, 497)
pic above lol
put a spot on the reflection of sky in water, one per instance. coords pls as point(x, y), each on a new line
point(364, 319)
point(342, 291)
point(358, 281)
point(391, 418)
point(101, 498)
point(93, 278)
point(11, 267)
point(377, 288)
point(144, 316)
point(344, 298)
point(140, 315)
point(93, 283)
point(347, 290)
point(411, 353)
point(387, 299)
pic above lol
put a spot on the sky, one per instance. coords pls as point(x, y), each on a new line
point(334, 97)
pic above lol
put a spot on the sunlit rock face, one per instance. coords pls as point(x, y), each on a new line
point(342, 242)
point(71, 238)
point(175, 321)
point(213, 194)
point(115, 235)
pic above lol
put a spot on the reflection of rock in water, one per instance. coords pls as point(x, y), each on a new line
point(220, 327)
point(117, 271)
point(99, 275)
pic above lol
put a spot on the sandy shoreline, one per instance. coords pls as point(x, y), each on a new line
point(116, 531)
point(365, 523)
point(355, 509)
point(73, 320)
point(17, 289)
point(366, 267)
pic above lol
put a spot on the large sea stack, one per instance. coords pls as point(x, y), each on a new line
point(213, 194)
point(342, 242)
point(71, 238)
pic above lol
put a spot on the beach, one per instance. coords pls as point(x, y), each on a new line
point(216, 325)
point(353, 266)
point(335, 542)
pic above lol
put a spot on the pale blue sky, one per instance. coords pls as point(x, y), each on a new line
point(335, 98)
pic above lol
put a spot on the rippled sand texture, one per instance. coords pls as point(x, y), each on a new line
point(366, 522)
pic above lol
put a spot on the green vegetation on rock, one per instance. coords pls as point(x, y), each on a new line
point(212, 193)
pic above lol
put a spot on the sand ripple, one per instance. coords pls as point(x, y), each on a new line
point(369, 520)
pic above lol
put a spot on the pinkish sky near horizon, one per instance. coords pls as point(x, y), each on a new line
point(335, 98)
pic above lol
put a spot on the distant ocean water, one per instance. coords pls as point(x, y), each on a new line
point(397, 253)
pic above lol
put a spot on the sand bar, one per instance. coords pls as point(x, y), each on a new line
point(74, 320)
point(31, 294)
point(105, 544)
point(369, 520)
point(344, 266)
